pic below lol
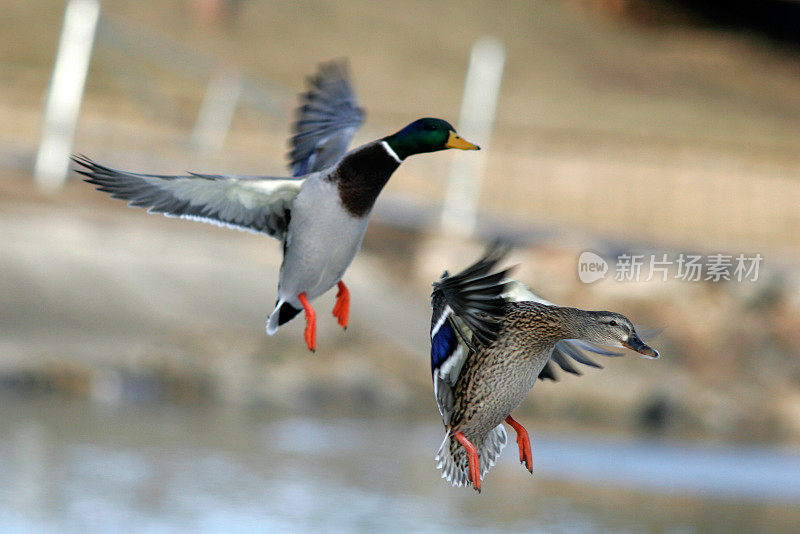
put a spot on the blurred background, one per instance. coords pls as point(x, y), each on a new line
point(138, 391)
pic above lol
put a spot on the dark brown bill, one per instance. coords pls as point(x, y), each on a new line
point(634, 343)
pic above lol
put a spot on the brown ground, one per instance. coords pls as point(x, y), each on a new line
point(680, 137)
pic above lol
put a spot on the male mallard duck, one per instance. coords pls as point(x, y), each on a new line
point(320, 213)
point(490, 341)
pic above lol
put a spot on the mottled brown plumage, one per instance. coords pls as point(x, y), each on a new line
point(495, 381)
point(478, 389)
point(528, 335)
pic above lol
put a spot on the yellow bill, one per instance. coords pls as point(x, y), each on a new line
point(454, 141)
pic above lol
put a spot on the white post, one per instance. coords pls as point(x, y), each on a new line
point(481, 91)
point(217, 110)
point(66, 92)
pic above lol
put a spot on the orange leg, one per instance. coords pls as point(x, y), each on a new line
point(342, 308)
point(474, 467)
point(311, 323)
point(523, 442)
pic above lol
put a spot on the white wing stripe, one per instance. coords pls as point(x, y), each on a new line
point(451, 367)
point(442, 318)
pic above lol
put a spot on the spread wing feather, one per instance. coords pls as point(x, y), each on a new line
point(326, 120)
point(467, 312)
point(254, 203)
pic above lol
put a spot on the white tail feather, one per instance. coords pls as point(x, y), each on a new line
point(272, 322)
point(455, 467)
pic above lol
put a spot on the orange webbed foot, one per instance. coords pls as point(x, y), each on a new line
point(310, 333)
point(474, 466)
point(341, 310)
point(523, 442)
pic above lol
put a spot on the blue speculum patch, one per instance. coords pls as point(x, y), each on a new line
point(442, 345)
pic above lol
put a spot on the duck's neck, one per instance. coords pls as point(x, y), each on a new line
point(555, 323)
point(401, 145)
point(361, 175)
point(575, 323)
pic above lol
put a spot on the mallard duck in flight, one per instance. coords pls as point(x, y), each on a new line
point(320, 213)
point(491, 338)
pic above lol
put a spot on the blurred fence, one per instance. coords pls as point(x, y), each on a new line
point(147, 97)
point(225, 87)
point(146, 69)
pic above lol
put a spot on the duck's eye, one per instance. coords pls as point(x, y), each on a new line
point(612, 322)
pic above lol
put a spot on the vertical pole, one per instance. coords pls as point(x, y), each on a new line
point(66, 92)
point(217, 110)
point(481, 91)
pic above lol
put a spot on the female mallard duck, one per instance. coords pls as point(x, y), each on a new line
point(491, 338)
point(320, 213)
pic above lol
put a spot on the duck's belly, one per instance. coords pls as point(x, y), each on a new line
point(501, 388)
point(322, 241)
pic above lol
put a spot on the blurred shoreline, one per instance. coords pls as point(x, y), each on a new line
point(212, 468)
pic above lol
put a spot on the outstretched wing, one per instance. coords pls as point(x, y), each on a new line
point(566, 350)
point(254, 203)
point(326, 120)
point(467, 314)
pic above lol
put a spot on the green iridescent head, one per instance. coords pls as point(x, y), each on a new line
point(426, 135)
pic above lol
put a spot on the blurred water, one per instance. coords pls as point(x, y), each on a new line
point(78, 467)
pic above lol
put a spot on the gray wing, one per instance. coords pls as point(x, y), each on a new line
point(573, 349)
point(565, 351)
point(326, 120)
point(254, 203)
